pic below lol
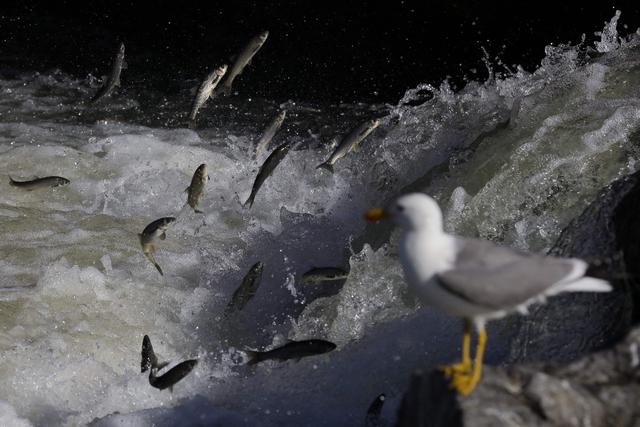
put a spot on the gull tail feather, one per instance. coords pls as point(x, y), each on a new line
point(586, 284)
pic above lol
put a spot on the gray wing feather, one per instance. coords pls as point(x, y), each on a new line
point(498, 277)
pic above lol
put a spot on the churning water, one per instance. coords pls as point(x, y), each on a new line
point(512, 159)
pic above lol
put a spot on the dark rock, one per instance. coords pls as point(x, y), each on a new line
point(569, 325)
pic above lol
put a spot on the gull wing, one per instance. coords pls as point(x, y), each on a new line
point(498, 277)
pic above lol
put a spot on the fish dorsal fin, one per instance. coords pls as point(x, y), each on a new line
point(187, 189)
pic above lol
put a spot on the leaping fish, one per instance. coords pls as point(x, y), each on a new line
point(291, 350)
point(156, 229)
point(267, 169)
point(169, 378)
point(34, 184)
point(350, 143)
point(244, 58)
point(114, 78)
point(195, 190)
point(172, 376)
point(269, 132)
point(247, 289)
point(204, 92)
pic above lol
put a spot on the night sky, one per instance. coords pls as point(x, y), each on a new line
point(316, 50)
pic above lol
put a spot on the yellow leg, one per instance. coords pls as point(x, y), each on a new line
point(477, 363)
point(465, 365)
point(464, 383)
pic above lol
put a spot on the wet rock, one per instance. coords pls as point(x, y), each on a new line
point(599, 390)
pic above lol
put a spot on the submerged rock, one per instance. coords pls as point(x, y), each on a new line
point(555, 382)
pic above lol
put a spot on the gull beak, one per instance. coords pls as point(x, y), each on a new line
point(375, 214)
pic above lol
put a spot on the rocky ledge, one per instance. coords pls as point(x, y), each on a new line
point(602, 389)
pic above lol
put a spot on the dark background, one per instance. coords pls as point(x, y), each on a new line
point(317, 50)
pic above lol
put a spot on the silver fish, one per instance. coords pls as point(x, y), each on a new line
point(114, 78)
point(349, 143)
point(195, 190)
point(247, 289)
point(269, 132)
point(156, 229)
point(323, 274)
point(244, 57)
point(266, 170)
point(291, 350)
point(34, 184)
point(204, 92)
point(172, 376)
point(373, 413)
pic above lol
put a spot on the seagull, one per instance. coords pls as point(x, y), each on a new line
point(474, 279)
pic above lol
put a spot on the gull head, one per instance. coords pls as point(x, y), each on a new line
point(417, 211)
point(414, 211)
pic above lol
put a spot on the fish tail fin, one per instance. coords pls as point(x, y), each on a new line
point(152, 258)
point(225, 89)
point(158, 268)
point(11, 181)
point(249, 202)
point(149, 359)
point(326, 165)
point(254, 357)
point(185, 208)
